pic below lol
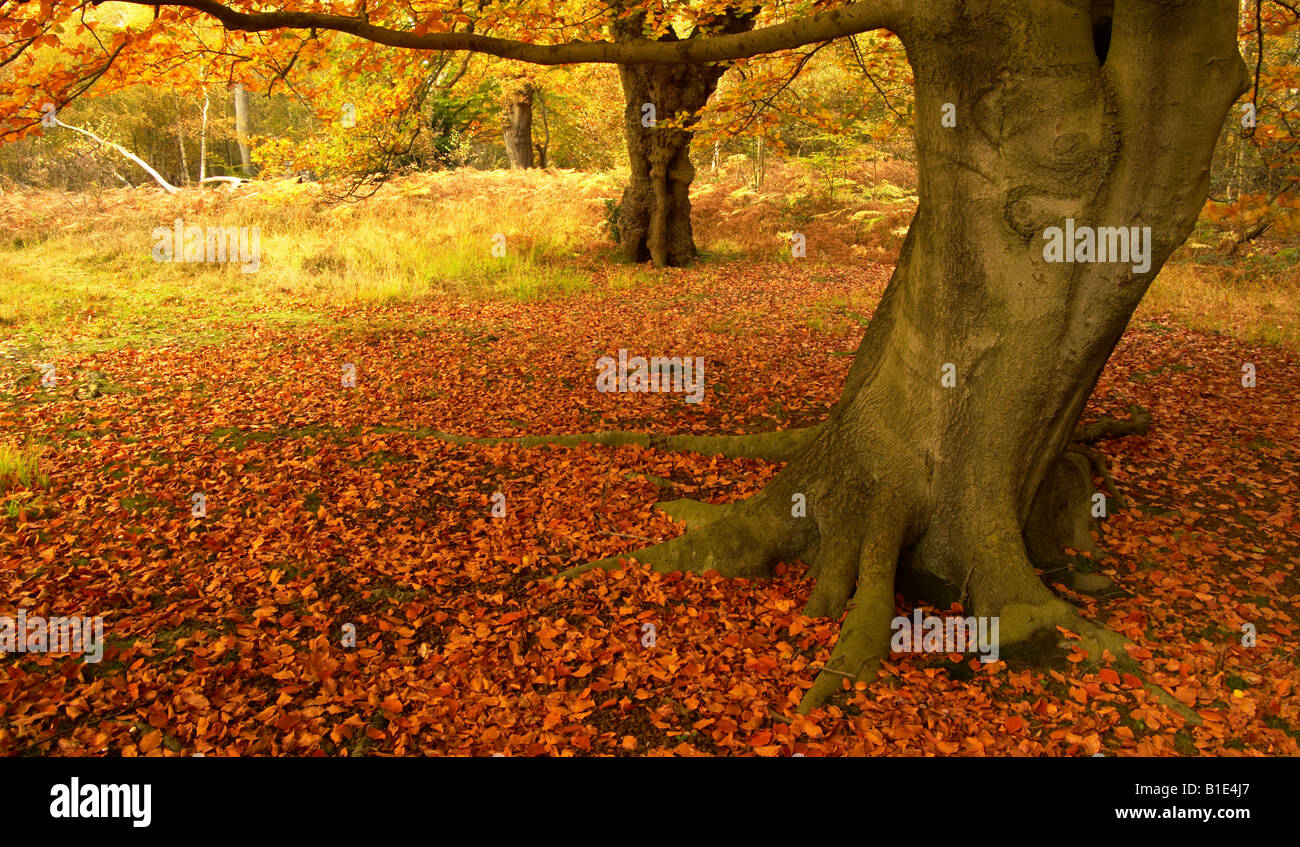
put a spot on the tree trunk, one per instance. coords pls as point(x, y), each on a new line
point(185, 165)
point(655, 213)
point(243, 129)
point(517, 124)
point(916, 486)
point(203, 140)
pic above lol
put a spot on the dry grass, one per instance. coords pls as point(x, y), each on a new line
point(1255, 299)
point(81, 263)
point(856, 215)
point(79, 266)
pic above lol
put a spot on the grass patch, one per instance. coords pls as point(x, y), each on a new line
point(1260, 305)
point(19, 468)
point(89, 281)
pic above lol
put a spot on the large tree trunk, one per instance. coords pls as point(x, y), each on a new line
point(655, 213)
point(914, 486)
point(517, 124)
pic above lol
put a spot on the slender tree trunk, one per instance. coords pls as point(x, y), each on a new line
point(203, 140)
point(655, 214)
point(517, 124)
point(973, 373)
point(185, 165)
point(243, 129)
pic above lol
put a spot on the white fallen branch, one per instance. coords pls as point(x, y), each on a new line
point(164, 184)
point(235, 180)
point(231, 182)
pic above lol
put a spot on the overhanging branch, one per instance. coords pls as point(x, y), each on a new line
point(859, 17)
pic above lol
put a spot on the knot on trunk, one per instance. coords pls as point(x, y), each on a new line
point(1029, 212)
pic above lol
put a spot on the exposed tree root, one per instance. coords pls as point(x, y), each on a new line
point(693, 513)
point(1018, 623)
point(865, 633)
point(835, 573)
point(852, 550)
point(747, 543)
point(774, 446)
point(854, 569)
point(777, 446)
point(1101, 467)
point(1139, 423)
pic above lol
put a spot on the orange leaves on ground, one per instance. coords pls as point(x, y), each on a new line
point(229, 633)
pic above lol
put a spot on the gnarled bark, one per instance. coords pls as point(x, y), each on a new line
point(517, 124)
point(655, 212)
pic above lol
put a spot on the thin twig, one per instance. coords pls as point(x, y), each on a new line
point(623, 535)
point(778, 716)
point(844, 674)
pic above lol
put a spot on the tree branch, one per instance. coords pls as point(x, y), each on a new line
point(858, 17)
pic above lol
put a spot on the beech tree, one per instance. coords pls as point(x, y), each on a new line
point(517, 123)
point(945, 457)
point(655, 212)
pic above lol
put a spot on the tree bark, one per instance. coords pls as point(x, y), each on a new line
point(655, 212)
point(915, 485)
point(517, 124)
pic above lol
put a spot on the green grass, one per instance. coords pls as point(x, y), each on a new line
point(91, 283)
point(18, 467)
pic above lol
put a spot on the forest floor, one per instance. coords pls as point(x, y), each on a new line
point(330, 508)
